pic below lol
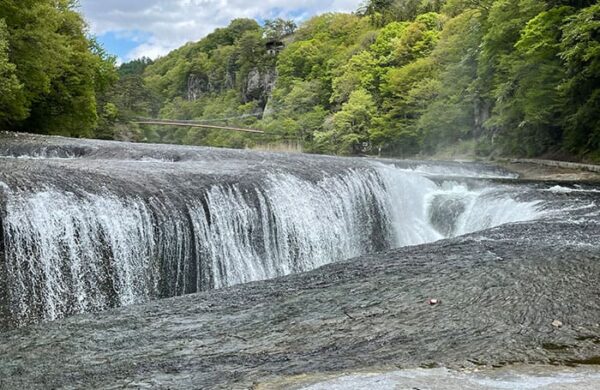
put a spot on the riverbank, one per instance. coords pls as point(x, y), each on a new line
point(542, 170)
point(527, 169)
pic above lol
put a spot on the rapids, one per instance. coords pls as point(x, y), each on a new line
point(352, 251)
point(89, 225)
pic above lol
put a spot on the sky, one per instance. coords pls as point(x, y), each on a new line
point(132, 29)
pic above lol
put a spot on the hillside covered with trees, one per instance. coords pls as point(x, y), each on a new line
point(397, 78)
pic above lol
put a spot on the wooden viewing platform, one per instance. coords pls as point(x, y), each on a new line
point(193, 124)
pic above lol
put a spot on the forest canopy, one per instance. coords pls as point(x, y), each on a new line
point(396, 77)
point(52, 73)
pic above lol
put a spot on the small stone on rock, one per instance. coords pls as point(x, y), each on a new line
point(557, 323)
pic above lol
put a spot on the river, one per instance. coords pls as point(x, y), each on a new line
point(282, 265)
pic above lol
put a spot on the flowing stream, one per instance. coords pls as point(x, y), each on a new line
point(350, 251)
point(71, 250)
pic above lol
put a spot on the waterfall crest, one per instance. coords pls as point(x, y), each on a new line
point(74, 250)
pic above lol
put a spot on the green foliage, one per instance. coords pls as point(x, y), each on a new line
point(361, 72)
point(387, 40)
point(382, 12)
point(532, 114)
point(135, 67)
point(418, 39)
point(451, 115)
point(399, 77)
point(53, 70)
point(348, 132)
point(580, 51)
point(278, 29)
point(352, 124)
point(409, 89)
point(12, 107)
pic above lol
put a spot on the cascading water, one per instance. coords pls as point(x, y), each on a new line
point(73, 250)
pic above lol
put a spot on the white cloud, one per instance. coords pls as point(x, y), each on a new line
point(172, 23)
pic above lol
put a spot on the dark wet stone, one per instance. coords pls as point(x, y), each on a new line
point(501, 289)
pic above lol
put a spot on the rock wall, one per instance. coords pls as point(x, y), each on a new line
point(257, 85)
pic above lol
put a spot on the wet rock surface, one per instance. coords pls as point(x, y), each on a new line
point(532, 171)
point(501, 291)
point(89, 225)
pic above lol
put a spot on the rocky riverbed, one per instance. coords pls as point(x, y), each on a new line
point(501, 293)
point(518, 301)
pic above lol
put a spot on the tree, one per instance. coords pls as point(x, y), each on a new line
point(277, 29)
point(386, 41)
point(361, 72)
point(379, 11)
point(382, 12)
point(12, 107)
point(532, 115)
point(353, 122)
point(135, 67)
point(454, 114)
point(580, 50)
point(57, 65)
point(304, 60)
point(418, 39)
point(409, 90)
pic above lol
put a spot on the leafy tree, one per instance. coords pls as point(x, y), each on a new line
point(379, 11)
point(534, 111)
point(386, 42)
point(361, 72)
point(456, 7)
point(304, 60)
point(454, 114)
point(279, 28)
point(352, 124)
point(418, 39)
point(504, 24)
point(12, 106)
point(57, 65)
point(135, 67)
point(580, 50)
point(409, 90)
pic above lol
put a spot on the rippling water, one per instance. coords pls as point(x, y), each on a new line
point(79, 242)
point(89, 225)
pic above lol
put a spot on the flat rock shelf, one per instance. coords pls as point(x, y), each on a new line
point(507, 261)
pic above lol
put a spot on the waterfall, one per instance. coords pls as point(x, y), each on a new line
point(69, 251)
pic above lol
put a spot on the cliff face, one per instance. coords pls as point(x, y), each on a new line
point(197, 86)
point(256, 86)
point(259, 85)
point(229, 73)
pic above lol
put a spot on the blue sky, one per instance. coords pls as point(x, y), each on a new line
point(121, 43)
point(135, 28)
